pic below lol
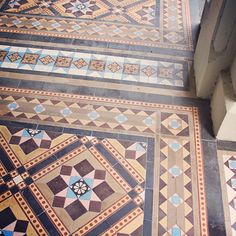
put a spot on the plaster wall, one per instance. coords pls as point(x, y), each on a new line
point(233, 74)
point(216, 45)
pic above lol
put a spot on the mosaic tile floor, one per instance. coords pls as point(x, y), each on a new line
point(227, 164)
point(100, 129)
point(91, 183)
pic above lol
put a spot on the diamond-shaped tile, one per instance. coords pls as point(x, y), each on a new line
point(121, 118)
point(176, 200)
point(55, 25)
point(175, 124)
point(93, 115)
point(148, 71)
point(233, 183)
point(232, 164)
point(16, 22)
point(36, 23)
point(175, 145)
point(39, 108)
point(13, 106)
point(66, 112)
point(176, 231)
point(148, 121)
point(175, 171)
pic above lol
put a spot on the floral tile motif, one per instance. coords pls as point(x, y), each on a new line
point(162, 23)
point(95, 65)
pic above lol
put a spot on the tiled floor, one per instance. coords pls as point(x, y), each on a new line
point(100, 129)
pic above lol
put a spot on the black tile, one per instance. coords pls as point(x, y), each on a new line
point(150, 150)
point(213, 189)
point(21, 169)
point(104, 134)
point(149, 175)
point(28, 181)
point(129, 179)
point(110, 93)
point(56, 129)
point(99, 229)
point(133, 194)
point(68, 149)
point(48, 225)
point(17, 124)
point(8, 82)
point(27, 84)
point(121, 213)
point(7, 217)
point(106, 154)
point(3, 188)
point(5, 161)
point(77, 131)
point(148, 205)
point(14, 190)
point(21, 226)
point(132, 138)
point(147, 228)
point(226, 145)
point(6, 177)
point(42, 165)
point(29, 197)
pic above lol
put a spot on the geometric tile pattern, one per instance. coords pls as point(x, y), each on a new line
point(66, 113)
point(80, 185)
point(128, 11)
point(227, 165)
point(175, 187)
point(14, 219)
point(29, 140)
point(174, 124)
point(164, 23)
point(89, 179)
point(98, 185)
point(92, 65)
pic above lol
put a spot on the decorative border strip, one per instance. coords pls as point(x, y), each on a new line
point(119, 225)
point(48, 210)
point(123, 161)
point(103, 216)
point(86, 30)
point(50, 152)
point(105, 67)
point(2, 170)
point(108, 167)
point(200, 174)
point(28, 212)
point(97, 99)
point(5, 195)
point(59, 162)
point(10, 153)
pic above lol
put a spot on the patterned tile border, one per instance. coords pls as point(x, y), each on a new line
point(93, 65)
point(227, 166)
point(90, 98)
point(178, 124)
point(174, 28)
